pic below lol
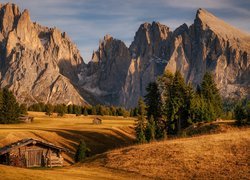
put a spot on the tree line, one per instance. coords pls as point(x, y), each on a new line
point(62, 109)
point(171, 105)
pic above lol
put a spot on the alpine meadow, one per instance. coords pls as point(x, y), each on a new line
point(166, 102)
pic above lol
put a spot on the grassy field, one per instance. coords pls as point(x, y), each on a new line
point(224, 155)
point(68, 130)
point(217, 156)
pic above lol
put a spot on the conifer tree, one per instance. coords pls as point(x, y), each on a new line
point(93, 110)
point(150, 130)
point(212, 96)
point(81, 151)
point(141, 122)
point(23, 109)
point(153, 101)
point(49, 108)
point(10, 111)
point(176, 104)
point(85, 112)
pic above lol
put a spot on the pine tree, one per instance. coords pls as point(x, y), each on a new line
point(212, 96)
point(23, 109)
point(85, 112)
point(154, 107)
point(49, 108)
point(81, 152)
point(60, 109)
point(141, 122)
point(176, 104)
point(93, 110)
point(150, 130)
point(70, 109)
point(10, 111)
point(241, 113)
point(153, 101)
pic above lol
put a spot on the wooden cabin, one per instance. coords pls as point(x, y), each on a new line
point(26, 119)
point(97, 120)
point(31, 153)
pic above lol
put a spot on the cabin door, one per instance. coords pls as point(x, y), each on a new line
point(34, 158)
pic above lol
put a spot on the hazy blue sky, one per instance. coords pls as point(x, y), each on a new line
point(87, 21)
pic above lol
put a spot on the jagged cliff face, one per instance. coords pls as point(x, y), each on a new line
point(104, 76)
point(41, 64)
point(207, 45)
point(37, 63)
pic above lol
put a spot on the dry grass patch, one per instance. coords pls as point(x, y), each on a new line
point(68, 130)
point(218, 156)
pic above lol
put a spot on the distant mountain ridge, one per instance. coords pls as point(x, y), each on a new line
point(209, 44)
point(41, 64)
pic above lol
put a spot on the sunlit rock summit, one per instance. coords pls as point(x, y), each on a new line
point(41, 64)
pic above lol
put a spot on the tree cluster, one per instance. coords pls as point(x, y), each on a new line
point(10, 110)
point(62, 109)
point(172, 105)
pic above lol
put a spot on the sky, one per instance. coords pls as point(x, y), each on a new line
point(88, 21)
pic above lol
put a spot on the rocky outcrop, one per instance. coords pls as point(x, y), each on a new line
point(104, 76)
point(209, 44)
point(38, 64)
point(41, 64)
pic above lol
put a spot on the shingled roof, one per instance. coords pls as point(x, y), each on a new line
point(25, 142)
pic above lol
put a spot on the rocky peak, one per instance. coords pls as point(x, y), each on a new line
point(37, 63)
point(208, 21)
point(108, 48)
point(180, 30)
point(149, 38)
point(9, 13)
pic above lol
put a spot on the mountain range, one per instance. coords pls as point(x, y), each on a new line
point(41, 64)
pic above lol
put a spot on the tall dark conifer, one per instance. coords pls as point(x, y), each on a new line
point(10, 110)
point(141, 122)
point(212, 96)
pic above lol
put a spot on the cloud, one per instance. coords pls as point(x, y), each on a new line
point(87, 21)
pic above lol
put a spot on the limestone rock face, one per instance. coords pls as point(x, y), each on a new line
point(209, 44)
point(105, 75)
point(41, 64)
point(37, 63)
point(221, 49)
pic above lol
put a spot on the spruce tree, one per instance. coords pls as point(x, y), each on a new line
point(141, 122)
point(23, 109)
point(176, 104)
point(153, 101)
point(150, 130)
point(81, 152)
point(93, 110)
point(212, 96)
point(154, 107)
point(10, 111)
point(49, 108)
point(85, 112)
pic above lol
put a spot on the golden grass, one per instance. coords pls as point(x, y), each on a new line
point(218, 156)
point(67, 131)
point(66, 173)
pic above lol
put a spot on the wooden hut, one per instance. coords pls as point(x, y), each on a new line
point(32, 153)
point(26, 119)
point(97, 120)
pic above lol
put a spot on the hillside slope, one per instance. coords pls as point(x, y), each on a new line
point(217, 156)
point(67, 131)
